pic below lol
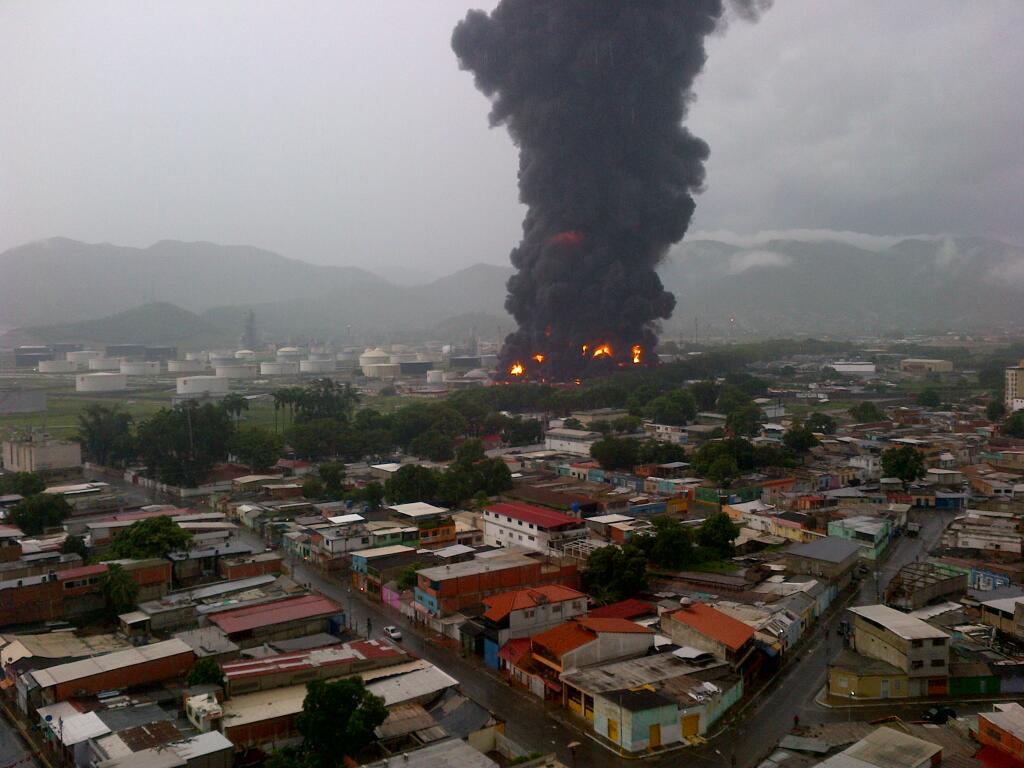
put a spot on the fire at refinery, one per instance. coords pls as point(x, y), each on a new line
point(608, 173)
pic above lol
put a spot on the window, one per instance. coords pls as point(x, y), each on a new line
point(843, 682)
point(938, 662)
point(939, 641)
point(556, 608)
point(529, 614)
point(917, 643)
point(916, 664)
point(897, 684)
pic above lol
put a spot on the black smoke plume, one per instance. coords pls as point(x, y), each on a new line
point(594, 94)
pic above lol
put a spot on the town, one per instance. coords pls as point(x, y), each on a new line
point(780, 551)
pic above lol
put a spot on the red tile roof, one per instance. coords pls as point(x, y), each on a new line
point(277, 612)
point(712, 623)
point(82, 571)
point(614, 625)
point(624, 609)
point(317, 657)
point(501, 605)
point(528, 513)
point(514, 650)
point(564, 638)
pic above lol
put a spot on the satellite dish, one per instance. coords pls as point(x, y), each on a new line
point(49, 718)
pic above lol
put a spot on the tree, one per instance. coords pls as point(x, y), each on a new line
point(677, 408)
point(432, 445)
point(234, 404)
point(572, 423)
point(929, 398)
point(74, 545)
point(206, 671)
point(821, 422)
point(338, 719)
point(904, 462)
point(799, 439)
point(656, 452)
point(373, 495)
point(411, 482)
point(258, 447)
point(325, 399)
point(671, 546)
point(705, 394)
point(616, 452)
point(181, 444)
point(745, 420)
point(1014, 425)
point(723, 470)
point(313, 487)
point(866, 412)
point(409, 578)
point(105, 433)
point(718, 534)
point(333, 475)
point(22, 484)
point(151, 537)
point(316, 439)
point(119, 589)
point(995, 410)
point(35, 514)
point(523, 432)
point(615, 573)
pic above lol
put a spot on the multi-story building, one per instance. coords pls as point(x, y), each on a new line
point(1003, 728)
point(906, 643)
point(513, 523)
point(1015, 387)
point(700, 626)
point(43, 455)
point(871, 533)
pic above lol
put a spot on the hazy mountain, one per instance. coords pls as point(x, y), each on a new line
point(159, 323)
point(779, 286)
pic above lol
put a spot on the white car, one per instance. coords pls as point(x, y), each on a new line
point(393, 632)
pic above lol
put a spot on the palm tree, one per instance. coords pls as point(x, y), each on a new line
point(234, 404)
point(119, 589)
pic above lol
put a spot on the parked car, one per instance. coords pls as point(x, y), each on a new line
point(393, 632)
point(938, 715)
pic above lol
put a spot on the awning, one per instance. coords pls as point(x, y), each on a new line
point(552, 685)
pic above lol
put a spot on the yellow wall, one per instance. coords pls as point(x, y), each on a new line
point(843, 682)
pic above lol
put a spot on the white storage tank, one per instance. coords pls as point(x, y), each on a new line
point(316, 366)
point(105, 364)
point(223, 358)
point(382, 371)
point(201, 356)
point(81, 357)
point(245, 354)
point(236, 371)
point(280, 368)
point(185, 366)
point(435, 377)
point(202, 385)
point(57, 366)
point(140, 368)
point(322, 355)
point(289, 353)
point(371, 358)
point(101, 382)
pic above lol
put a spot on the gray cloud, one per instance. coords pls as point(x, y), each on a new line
point(343, 132)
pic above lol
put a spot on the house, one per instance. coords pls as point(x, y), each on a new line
point(1003, 729)
point(697, 625)
point(517, 614)
point(831, 558)
point(514, 523)
point(574, 441)
point(277, 620)
point(129, 668)
point(911, 645)
point(653, 701)
point(204, 750)
point(576, 644)
point(887, 748)
point(871, 533)
point(445, 589)
point(436, 528)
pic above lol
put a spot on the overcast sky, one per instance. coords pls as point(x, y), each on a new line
point(343, 131)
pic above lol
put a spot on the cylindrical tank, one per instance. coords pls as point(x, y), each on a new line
point(403, 357)
point(140, 368)
point(322, 355)
point(201, 356)
point(57, 366)
point(280, 368)
point(289, 353)
point(382, 371)
point(245, 354)
point(101, 382)
point(202, 385)
point(236, 371)
point(435, 377)
point(81, 357)
point(185, 366)
point(372, 358)
point(105, 364)
point(222, 358)
point(316, 366)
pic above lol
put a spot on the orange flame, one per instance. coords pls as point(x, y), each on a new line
point(583, 349)
point(539, 357)
point(603, 351)
point(517, 369)
point(636, 353)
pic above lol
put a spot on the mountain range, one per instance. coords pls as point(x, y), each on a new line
point(58, 289)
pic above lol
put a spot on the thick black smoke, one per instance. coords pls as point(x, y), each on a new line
point(594, 93)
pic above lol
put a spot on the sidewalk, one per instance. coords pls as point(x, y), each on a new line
point(841, 703)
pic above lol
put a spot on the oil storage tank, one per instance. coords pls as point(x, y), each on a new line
point(101, 382)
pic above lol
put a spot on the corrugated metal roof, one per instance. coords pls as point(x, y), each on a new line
point(277, 612)
point(76, 670)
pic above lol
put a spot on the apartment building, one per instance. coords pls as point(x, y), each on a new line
point(908, 644)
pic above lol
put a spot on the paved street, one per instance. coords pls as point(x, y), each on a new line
point(13, 751)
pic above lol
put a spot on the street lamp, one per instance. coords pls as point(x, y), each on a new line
point(849, 709)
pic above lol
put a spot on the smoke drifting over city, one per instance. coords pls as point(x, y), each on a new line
point(594, 94)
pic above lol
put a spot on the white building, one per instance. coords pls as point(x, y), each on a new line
point(199, 386)
point(101, 382)
point(140, 367)
point(854, 367)
point(577, 441)
point(1015, 387)
point(514, 524)
point(40, 455)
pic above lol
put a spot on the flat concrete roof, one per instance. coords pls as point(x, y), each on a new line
point(898, 623)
